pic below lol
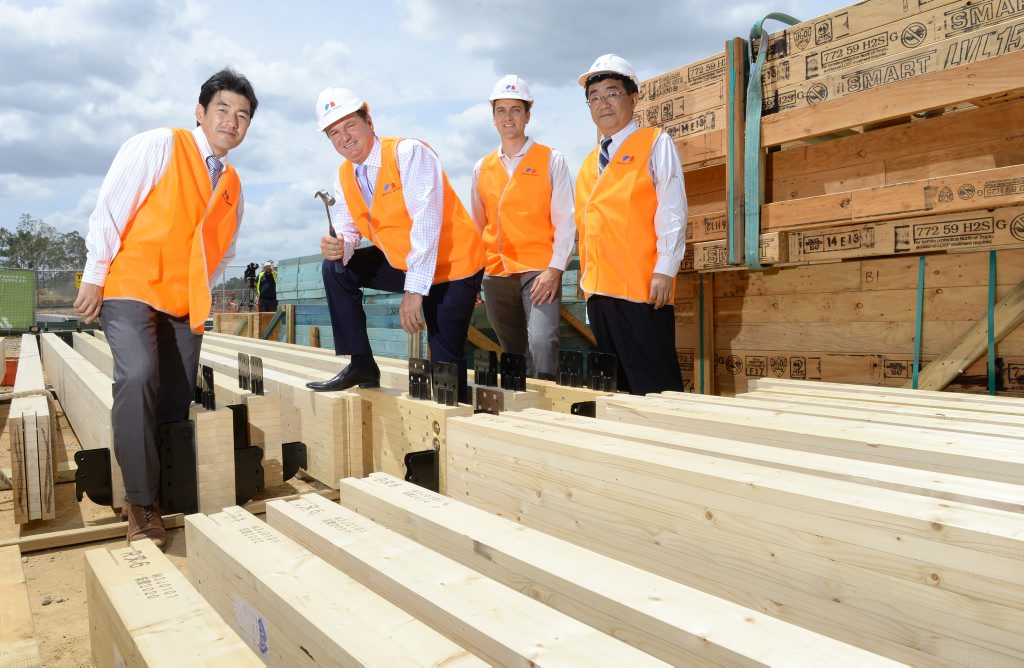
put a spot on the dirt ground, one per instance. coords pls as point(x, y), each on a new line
point(56, 579)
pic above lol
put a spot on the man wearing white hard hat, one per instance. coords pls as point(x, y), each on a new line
point(393, 192)
point(266, 288)
point(523, 204)
point(631, 217)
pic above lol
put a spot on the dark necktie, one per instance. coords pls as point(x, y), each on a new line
point(216, 167)
point(603, 159)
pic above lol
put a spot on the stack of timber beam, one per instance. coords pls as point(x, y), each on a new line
point(264, 411)
point(675, 623)
point(891, 131)
point(295, 608)
point(18, 646)
point(86, 396)
point(144, 612)
point(30, 426)
point(912, 567)
point(249, 325)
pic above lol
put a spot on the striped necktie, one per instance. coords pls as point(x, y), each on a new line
point(216, 167)
point(603, 159)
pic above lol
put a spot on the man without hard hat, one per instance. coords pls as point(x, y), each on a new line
point(522, 202)
point(631, 218)
point(163, 230)
point(393, 192)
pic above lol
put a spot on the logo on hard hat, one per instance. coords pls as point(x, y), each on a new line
point(329, 105)
point(510, 87)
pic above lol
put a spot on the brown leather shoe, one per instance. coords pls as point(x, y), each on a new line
point(146, 522)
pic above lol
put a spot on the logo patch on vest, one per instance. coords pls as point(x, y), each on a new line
point(627, 160)
point(530, 171)
point(227, 197)
point(390, 188)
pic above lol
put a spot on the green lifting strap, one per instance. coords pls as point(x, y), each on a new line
point(991, 323)
point(752, 191)
point(917, 320)
point(700, 333)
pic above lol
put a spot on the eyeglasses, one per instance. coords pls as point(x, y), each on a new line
point(611, 98)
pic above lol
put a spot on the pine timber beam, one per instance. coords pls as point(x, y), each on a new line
point(327, 422)
point(86, 396)
point(581, 328)
point(313, 613)
point(31, 428)
point(974, 402)
point(903, 98)
point(679, 624)
point(144, 612)
point(98, 532)
point(835, 557)
point(481, 340)
point(962, 489)
point(18, 646)
point(973, 456)
point(495, 622)
point(264, 411)
point(1008, 313)
point(394, 372)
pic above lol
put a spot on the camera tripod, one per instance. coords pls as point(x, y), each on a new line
point(247, 302)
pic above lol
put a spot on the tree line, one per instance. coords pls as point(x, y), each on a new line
point(36, 245)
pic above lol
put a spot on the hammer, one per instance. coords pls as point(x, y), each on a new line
point(328, 203)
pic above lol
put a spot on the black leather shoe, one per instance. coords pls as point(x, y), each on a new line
point(350, 376)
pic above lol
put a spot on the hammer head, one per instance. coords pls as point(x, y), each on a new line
point(322, 194)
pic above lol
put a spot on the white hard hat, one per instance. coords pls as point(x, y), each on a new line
point(334, 104)
point(268, 263)
point(511, 87)
point(612, 64)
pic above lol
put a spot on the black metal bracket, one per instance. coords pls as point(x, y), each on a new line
point(93, 476)
point(293, 457)
point(488, 400)
point(485, 368)
point(179, 491)
point(421, 469)
point(604, 371)
point(445, 381)
point(513, 372)
point(584, 408)
point(209, 396)
point(243, 371)
point(240, 425)
point(248, 473)
point(419, 378)
point(570, 368)
point(256, 375)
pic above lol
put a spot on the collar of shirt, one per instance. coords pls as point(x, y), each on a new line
point(204, 145)
point(620, 137)
point(511, 161)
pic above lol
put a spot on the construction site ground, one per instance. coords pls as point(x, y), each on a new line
point(55, 577)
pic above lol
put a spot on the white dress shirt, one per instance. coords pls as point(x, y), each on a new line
point(137, 168)
point(423, 190)
point(562, 206)
point(670, 217)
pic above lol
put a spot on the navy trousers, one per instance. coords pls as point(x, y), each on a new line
point(447, 309)
point(644, 340)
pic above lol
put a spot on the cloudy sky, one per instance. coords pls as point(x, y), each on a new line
point(78, 77)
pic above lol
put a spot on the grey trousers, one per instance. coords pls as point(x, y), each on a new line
point(522, 326)
point(155, 361)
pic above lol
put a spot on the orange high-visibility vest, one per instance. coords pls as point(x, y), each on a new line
point(387, 222)
point(177, 238)
point(518, 235)
point(615, 220)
